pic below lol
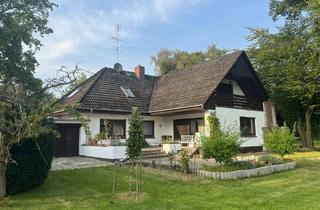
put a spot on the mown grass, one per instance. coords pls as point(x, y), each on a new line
point(91, 189)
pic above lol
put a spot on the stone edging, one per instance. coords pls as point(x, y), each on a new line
point(247, 173)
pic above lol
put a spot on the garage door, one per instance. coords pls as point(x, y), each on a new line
point(68, 144)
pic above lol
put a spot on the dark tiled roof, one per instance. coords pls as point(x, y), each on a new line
point(190, 87)
point(83, 88)
point(183, 88)
point(106, 93)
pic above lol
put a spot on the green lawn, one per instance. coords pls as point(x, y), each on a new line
point(91, 189)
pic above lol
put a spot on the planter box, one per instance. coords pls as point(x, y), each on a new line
point(167, 148)
point(247, 173)
point(109, 152)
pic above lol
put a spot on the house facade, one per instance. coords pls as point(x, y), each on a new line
point(172, 105)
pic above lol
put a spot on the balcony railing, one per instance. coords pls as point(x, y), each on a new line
point(237, 101)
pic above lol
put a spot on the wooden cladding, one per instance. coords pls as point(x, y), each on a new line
point(237, 101)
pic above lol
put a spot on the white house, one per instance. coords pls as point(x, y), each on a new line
point(172, 105)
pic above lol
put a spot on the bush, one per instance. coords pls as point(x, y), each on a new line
point(281, 141)
point(185, 162)
point(222, 148)
point(268, 159)
point(31, 164)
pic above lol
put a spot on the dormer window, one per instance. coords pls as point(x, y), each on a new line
point(127, 92)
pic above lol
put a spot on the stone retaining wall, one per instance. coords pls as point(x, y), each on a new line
point(247, 173)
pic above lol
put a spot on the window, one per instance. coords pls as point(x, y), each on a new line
point(127, 92)
point(247, 126)
point(148, 129)
point(188, 127)
point(225, 88)
point(115, 128)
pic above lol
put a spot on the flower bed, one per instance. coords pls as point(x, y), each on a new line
point(247, 173)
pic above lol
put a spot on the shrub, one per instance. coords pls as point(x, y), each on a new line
point(171, 158)
point(281, 141)
point(31, 164)
point(222, 148)
point(185, 162)
point(214, 125)
point(268, 159)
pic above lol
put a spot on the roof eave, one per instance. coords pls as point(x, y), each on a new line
point(193, 108)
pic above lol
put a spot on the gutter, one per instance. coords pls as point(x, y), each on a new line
point(177, 108)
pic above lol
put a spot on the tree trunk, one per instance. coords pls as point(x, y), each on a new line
point(308, 115)
point(2, 182)
point(114, 178)
point(137, 182)
point(301, 131)
point(131, 174)
point(3, 155)
point(140, 169)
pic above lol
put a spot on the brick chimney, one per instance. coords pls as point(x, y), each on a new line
point(139, 70)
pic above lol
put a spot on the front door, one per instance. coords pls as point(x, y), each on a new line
point(68, 143)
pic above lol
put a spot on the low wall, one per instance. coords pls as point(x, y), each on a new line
point(109, 152)
point(247, 173)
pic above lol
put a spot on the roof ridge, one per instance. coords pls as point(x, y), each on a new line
point(205, 62)
point(130, 72)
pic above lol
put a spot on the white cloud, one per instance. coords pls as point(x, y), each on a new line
point(82, 32)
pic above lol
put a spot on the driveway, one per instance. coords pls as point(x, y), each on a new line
point(65, 163)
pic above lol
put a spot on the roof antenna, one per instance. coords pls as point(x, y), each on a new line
point(116, 38)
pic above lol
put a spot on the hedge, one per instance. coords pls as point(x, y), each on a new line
point(31, 164)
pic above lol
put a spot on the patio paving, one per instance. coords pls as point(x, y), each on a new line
point(66, 163)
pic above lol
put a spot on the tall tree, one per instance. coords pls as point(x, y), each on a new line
point(24, 99)
point(171, 60)
point(21, 22)
point(288, 62)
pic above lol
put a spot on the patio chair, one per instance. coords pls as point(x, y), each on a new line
point(186, 139)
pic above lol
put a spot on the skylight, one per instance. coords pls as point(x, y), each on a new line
point(127, 92)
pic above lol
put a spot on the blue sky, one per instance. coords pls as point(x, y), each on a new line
point(83, 30)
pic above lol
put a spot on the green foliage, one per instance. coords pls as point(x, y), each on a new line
point(171, 60)
point(171, 159)
point(223, 146)
point(163, 190)
point(281, 141)
point(31, 164)
point(136, 139)
point(214, 125)
point(268, 159)
point(288, 61)
point(21, 21)
point(184, 162)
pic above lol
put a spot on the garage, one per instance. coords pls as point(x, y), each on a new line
point(68, 143)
